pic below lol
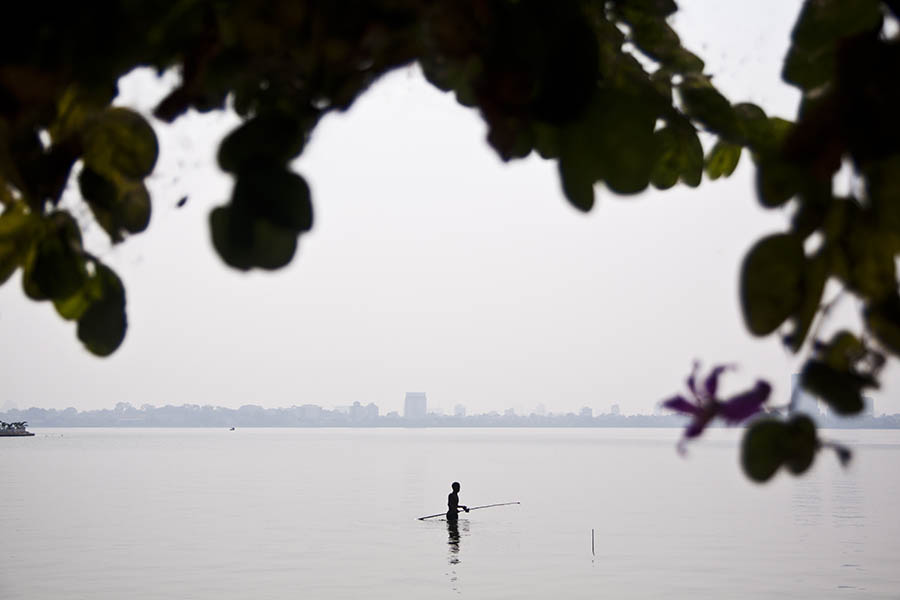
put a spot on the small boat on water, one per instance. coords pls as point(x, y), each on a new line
point(14, 429)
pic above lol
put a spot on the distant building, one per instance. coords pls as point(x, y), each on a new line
point(509, 412)
point(310, 412)
point(587, 412)
point(540, 410)
point(868, 407)
point(371, 411)
point(801, 400)
point(614, 409)
point(357, 412)
point(459, 410)
point(415, 406)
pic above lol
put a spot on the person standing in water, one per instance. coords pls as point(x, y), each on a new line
point(453, 505)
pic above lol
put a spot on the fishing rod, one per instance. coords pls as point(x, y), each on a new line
point(470, 509)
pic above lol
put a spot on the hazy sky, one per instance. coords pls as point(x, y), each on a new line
point(432, 267)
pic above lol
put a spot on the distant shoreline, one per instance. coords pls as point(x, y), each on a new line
point(312, 416)
point(413, 426)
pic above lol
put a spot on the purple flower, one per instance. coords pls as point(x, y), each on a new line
point(704, 405)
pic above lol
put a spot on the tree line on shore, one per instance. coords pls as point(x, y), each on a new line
point(193, 415)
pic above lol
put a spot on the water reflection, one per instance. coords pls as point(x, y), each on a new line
point(453, 539)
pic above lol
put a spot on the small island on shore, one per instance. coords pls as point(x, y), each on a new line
point(16, 429)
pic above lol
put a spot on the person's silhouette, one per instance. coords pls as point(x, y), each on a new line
point(453, 504)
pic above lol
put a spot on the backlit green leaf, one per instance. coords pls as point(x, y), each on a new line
point(679, 156)
point(614, 142)
point(722, 160)
point(118, 204)
point(55, 268)
point(703, 103)
point(120, 141)
point(756, 129)
point(18, 230)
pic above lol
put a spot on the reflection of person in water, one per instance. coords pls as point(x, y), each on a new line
point(453, 505)
point(453, 540)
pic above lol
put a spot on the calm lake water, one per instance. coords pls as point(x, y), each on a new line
point(331, 513)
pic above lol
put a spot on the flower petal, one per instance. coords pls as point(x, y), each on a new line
point(692, 378)
point(680, 404)
point(745, 405)
point(712, 381)
point(697, 426)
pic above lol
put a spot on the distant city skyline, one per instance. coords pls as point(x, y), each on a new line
point(369, 415)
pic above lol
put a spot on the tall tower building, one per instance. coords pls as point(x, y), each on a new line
point(415, 406)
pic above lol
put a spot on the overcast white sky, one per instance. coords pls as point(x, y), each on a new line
point(432, 267)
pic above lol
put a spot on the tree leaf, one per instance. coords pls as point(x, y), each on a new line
point(55, 268)
point(120, 141)
point(772, 282)
point(816, 276)
point(74, 307)
point(270, 139)
point(756, 129)
point(118, 204)
point(614, 142)
point(275, 194)
point(761, 449)
point(577, 182)
point(232, 237)
point(102, 326)
point(722, 160)
point(810, 61)
point(18, 230)
point(799, 444)
point(883, 320)
point(244, 241)
point(679, 155)
point(843, 351)
point(658, 8)
point(658, 40)
point(703, 103)
point(777, 181)
point(841, 390)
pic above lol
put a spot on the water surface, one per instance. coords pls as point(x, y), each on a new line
point(331, 513)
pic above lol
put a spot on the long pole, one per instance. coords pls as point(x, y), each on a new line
point(470, 509)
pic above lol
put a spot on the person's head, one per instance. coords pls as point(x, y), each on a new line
point(455, 486)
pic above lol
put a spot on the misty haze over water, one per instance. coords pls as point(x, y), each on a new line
point(286, 513)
